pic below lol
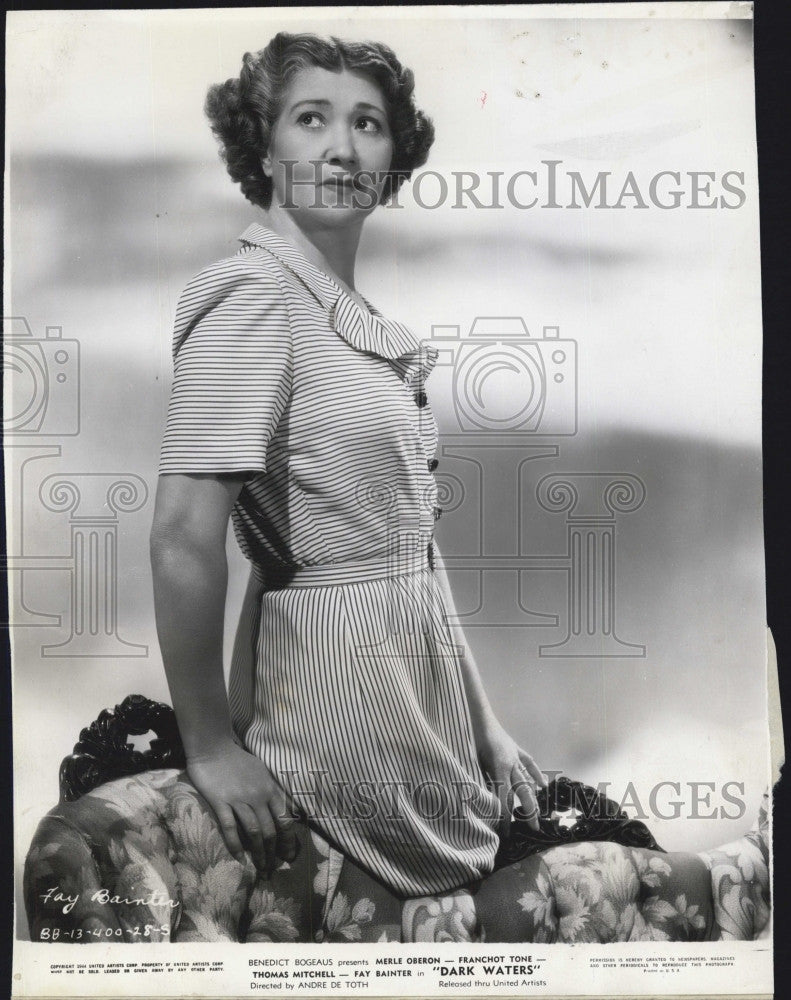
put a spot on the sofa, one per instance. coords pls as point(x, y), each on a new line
point(140, 858)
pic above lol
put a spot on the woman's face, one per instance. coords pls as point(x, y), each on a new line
point(331, 146)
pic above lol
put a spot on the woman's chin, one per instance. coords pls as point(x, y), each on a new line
point(332, 215)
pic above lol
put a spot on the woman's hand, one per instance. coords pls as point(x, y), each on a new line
point(250, 806)
point(509, 768)
point(512, 771)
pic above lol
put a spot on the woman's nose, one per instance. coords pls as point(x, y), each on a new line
point(341, 148)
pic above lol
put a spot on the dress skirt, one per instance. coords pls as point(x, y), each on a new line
point(357, 706)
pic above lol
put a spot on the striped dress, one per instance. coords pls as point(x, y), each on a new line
point(354, 695)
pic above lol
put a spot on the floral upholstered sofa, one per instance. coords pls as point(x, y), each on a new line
point(140, 858)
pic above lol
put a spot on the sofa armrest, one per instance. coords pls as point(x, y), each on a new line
point(104, 867)
point(71, 896)
point(141, 858)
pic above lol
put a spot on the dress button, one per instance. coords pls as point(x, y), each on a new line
point(421, 399)
point(432, 464)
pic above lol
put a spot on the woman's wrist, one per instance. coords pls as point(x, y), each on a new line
point(484, 722)
point(209, 747)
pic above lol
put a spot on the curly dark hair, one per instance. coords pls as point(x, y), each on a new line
point(243, 110)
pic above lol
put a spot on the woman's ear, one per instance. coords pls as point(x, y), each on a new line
point(266, 165)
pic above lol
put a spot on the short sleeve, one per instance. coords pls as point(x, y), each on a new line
point(232, 371)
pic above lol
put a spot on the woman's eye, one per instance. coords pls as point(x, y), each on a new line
point(312, 119)
point(366, 124)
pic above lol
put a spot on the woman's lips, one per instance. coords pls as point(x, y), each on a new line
point(347, 191)
point(343, 189)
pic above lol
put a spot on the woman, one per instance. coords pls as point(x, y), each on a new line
point(299, 411)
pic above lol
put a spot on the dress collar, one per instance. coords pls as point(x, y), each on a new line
point(363, 330)
point(320, 285)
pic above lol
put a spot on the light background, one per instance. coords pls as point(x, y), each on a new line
point(116, 196)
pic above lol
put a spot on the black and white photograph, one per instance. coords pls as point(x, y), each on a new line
point(384, 494)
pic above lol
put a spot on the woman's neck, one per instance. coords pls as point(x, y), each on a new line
point(332, 249)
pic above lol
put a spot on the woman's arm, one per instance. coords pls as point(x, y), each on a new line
point(245, 645)
point(190, 580)
point(506, 764)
